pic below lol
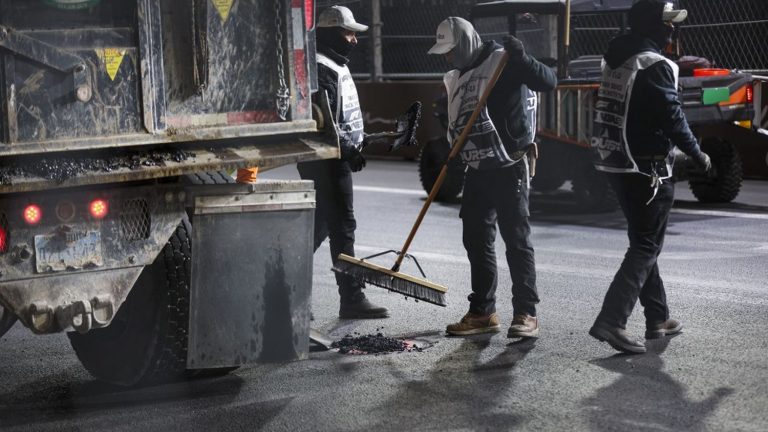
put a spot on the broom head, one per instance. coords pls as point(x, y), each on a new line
point(409, 286)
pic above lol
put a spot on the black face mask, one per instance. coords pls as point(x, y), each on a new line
point(333, 38)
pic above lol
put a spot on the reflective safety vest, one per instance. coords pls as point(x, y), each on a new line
point(349, 117)
point(610, 150)
point(484, 148)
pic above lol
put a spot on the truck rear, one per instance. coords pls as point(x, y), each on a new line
point(121, 121)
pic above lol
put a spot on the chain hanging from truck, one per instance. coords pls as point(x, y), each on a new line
point(283, 101)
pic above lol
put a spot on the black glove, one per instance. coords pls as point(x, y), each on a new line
point(354, 158)
point(704, 162)
point(514, 47)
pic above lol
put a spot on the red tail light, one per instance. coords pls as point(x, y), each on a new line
point(309, 14)
point(32, 214)
point(98, 208)
point(750, 93)
point(3, 240)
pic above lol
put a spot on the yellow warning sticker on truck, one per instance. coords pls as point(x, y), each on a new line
point(113, 58)
point(223, 7)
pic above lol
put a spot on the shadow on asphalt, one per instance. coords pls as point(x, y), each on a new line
point(646, 397)
point(461, 392)
point(101, 406)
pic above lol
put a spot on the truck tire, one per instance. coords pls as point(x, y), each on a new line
point(592, 191)
point(147, 340)
point(724, 186)
point(431, 159)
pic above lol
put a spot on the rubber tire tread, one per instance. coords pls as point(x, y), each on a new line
point(431, 159)
point(725, 186)
point(160, 299)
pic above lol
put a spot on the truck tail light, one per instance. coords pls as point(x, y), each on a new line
point(32, 214)
point(3, 240)
point(98, 208)
point(3, 233)
point(750, 93)
point(309, 14)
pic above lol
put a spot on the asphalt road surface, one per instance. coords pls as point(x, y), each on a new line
point(713, 376)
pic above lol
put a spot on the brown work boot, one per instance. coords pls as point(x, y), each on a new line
point(474, 324)
point(617, 338)
point(668, 327)
point(523, 325)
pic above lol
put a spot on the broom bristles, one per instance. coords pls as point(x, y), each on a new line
point(394, 281)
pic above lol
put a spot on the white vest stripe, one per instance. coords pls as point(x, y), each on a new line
point(610, 147)
point(484, 148)
point(349, 117)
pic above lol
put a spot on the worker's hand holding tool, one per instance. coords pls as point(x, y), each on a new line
point(514, 47)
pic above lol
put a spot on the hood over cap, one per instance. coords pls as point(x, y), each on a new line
point(459, 35)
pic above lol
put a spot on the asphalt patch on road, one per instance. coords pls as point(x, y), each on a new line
point(376, 343)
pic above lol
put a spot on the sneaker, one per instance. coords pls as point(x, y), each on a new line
point(668, 327)
point(523, 325)
point(617, 338)
point(362, 309)
point(474, 324)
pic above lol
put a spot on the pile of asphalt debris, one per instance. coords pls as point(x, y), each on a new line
point(373, 344)
point(63, 168)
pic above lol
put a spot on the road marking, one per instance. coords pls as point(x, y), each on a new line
point(716, 213)
point(390, 190)
point(720, 213)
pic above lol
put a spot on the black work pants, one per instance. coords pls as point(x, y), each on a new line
point(334, 215)
point(491, 197)
point(638, 275)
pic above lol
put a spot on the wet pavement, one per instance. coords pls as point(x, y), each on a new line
point(713, 376)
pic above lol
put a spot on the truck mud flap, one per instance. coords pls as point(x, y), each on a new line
point(251, 273)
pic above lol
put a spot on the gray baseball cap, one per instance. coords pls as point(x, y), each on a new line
point(444, 38)
point(340, 16)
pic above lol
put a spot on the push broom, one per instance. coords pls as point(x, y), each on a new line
point(391, 278)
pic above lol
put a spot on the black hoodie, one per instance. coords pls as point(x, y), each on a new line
point(655, 121)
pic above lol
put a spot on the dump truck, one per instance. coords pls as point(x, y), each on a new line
point(719, 105)
point(120, 223)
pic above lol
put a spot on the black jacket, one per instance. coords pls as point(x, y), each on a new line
point(508, 99)
point(655, 121)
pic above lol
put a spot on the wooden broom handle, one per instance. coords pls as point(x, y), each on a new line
point(457, 146)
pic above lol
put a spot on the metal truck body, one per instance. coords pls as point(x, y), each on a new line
point(119, 119)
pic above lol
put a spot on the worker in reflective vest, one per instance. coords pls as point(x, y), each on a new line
point(334, 212)
point(638, 122)
point(497, 183)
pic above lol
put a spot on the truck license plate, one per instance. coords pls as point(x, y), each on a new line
point(73, 250)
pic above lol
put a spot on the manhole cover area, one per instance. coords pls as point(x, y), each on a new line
point(377, 343)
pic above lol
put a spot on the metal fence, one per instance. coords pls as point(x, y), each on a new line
point(730, 33)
